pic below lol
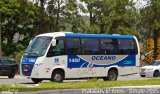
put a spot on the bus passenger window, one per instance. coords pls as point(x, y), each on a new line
point(108, 46)
point(73, 46)
point(126, 46)
point(90, 46)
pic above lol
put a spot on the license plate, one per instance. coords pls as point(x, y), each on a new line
point(25, 70)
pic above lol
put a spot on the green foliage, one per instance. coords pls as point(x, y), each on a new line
point(21, 21)
point(150, 22)
point(26, 19)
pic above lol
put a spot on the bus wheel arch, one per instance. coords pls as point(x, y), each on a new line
point(112, 74)
point(58, 75)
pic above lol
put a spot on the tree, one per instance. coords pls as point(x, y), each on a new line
point(8, 10)
point(90, 8)
point(151, 22)
point(71, 17)
point(55, 10)
point(21, 21)
point(0, 38)
point(113, 16)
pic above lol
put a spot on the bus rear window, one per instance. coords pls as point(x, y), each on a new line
point(127, 46)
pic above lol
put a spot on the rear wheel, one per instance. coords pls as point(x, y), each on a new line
point(112, 76)
point(57, 76)
point(35, 80)
point(156, 73)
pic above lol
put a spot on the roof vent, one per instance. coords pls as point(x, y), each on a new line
point(116, 34)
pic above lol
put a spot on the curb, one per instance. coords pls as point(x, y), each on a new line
point(80, 91)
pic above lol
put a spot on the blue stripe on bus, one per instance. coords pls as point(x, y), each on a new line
point(97, 35)
point(30, 62)
point(130, 60)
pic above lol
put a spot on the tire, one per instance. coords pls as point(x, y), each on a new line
point(35, 80)
point(112, 75)
point(57, 76)
point(156, 73)
point(142, 75)
point(11, 75)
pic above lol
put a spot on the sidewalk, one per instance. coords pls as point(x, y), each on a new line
point(113, 90)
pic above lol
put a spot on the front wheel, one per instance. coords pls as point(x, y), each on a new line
point(35, 80)
point(112, 76)
point(11, 75)
point(57, 76)
point(156, 73)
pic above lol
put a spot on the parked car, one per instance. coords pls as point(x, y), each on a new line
point(8, 67)
point(152, 70)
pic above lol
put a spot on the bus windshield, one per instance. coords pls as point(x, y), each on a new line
point(38, 46)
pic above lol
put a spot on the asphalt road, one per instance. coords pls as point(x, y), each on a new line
point(127, 90)
point(28, 82)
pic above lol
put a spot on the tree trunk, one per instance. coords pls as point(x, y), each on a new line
point(102, 31)
point(0, 40)
point(42, 21)
point(91, 18)
point(57, 19)
point(155, 44)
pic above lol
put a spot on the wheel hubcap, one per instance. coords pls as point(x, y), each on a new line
point(57, 77)
point(112, 76)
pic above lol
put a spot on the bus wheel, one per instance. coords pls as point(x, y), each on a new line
point(57, 76)
point(112, 75)
point(35, 80)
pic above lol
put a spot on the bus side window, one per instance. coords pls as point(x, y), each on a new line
point(59, 49)
point(126, 46)
point(108, 46)
point(90, 46)
point(73, 46)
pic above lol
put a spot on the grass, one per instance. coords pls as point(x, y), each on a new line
point(99, 84)
point(93, 83)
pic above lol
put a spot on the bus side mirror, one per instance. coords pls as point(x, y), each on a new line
point(53, 42)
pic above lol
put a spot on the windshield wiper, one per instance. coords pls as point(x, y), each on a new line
point(32, 54)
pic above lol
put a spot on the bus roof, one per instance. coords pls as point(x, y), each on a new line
point(70, 34)
point(97, 35)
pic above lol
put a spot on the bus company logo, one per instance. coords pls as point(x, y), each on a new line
point(103, 57)
point(32, 60)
